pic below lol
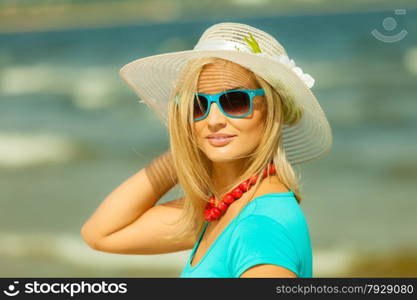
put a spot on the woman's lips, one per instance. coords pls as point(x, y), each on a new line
point(220, 141)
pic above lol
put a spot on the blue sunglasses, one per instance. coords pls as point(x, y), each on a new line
point(233, 103)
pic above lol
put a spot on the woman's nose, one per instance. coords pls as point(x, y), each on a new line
point(215, 114)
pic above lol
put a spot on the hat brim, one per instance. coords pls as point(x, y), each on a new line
point(153, 78)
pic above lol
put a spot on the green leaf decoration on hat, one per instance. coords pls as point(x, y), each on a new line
point(252, 43)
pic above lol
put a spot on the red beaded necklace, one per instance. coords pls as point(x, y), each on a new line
point(213, 212)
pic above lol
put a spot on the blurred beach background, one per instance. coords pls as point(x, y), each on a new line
point(71, 130)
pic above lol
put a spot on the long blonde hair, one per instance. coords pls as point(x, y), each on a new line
point(192, 165)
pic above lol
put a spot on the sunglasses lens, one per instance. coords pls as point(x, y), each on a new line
point(235, 103)
point(200, 106)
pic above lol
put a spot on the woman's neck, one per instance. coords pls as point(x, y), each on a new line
point(224, 174)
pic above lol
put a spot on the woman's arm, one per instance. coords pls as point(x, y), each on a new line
point(129, 222)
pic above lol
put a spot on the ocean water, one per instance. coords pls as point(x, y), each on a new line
point(71, 131)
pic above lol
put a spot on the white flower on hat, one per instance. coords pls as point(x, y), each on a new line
point(309, 81)
point(289, 63)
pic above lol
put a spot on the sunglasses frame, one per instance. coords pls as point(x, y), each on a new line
point(215, 98)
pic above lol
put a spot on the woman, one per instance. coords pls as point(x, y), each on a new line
point(240, 114)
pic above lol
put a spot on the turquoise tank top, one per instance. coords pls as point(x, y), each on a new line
point(270, 229)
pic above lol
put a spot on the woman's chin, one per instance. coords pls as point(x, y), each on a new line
point(221, 156)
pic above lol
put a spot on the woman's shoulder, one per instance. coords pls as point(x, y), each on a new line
point(276, 215)
point(274, 199)
point(273, 211)
point(282, 207)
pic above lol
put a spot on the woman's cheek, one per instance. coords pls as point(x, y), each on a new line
point(248, 141)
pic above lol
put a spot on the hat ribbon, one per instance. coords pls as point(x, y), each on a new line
point(213, 44)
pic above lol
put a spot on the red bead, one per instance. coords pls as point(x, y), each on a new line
point(272, 169)
point(245, 186)
point(237, 193)
point(253, 179)
point(264, 173)
point(229, 198)
point(223, 206)
point(207, 211)
point(215, 212)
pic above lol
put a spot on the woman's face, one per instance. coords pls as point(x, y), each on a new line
point(247, 131)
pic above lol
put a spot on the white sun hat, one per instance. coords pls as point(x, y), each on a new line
point(153, 79)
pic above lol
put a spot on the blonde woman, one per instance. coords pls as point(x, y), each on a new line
point(240, 114)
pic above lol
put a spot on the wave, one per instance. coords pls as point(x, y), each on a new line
point(73, 250)
point(26, 149)
point(410, 60)
point(89, 87)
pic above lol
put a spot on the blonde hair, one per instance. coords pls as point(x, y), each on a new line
point(192, 165)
